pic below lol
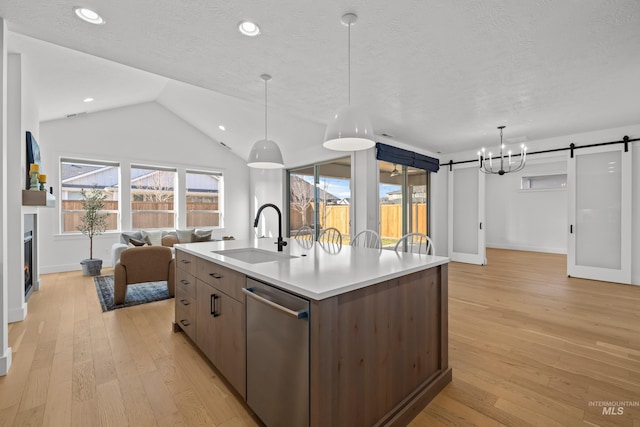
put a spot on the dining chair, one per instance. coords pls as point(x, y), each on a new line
point(304, 236)
point(417, 243)
point(304, 233)
point(330, 238)
point(367, 239)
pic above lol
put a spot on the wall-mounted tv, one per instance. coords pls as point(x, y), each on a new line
point(33, 155)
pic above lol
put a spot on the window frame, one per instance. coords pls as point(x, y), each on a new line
point(317, 177)
point(219, 194)
point(174, 196)
point(62, 211)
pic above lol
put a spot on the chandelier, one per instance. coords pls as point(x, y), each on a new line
point(486, 161)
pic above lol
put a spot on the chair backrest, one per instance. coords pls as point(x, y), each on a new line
point(304, 236)
point(330, 238)
point(417, 243)
point(367, 239)
point(304, 233)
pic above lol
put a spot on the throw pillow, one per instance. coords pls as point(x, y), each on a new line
point(201, 236)
point(137, 242)
point(185, 236)
point(133, 245)
point(153, 236)
point(169, 240)
point(126, 235)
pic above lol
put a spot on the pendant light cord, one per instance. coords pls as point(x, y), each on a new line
point(265, 109)
point(349, 62)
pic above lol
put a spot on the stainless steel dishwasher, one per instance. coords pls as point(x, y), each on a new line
point(277, 355)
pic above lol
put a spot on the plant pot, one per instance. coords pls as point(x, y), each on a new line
point(91, 267)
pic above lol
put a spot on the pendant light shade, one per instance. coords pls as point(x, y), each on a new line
point(265, 153)
point(349, 129)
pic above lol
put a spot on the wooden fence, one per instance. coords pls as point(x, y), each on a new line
point(338, 216)
point(72, 211)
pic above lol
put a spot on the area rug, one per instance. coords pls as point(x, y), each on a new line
point(140, 293)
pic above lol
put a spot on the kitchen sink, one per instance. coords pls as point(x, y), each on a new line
point(253, 255)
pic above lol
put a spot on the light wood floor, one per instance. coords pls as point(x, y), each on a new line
point(528, 346)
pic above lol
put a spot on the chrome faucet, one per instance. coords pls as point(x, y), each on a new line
point(281, 243)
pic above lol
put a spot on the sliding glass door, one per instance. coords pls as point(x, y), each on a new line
point(403, 202)
point(320, 198)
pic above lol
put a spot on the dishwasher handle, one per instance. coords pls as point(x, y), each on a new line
point(302, 314)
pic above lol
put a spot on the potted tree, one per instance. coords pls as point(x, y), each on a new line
point(92, 223)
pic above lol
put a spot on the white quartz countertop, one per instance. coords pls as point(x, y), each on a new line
point(317, 272)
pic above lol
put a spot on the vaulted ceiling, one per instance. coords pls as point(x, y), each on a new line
point(438, 75)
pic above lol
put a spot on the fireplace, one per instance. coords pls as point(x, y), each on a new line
point(28, 264)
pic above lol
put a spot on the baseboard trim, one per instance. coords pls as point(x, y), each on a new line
point(562, 251)
point(409, 408)
point(5, 362)
point(63, 268)
point(17, 314)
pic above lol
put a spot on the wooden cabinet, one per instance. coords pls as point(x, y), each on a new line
point(186, 313)
point(186, 262)
point(185, 316)
point(210, 310)
point(228, 281)
point(221, 333)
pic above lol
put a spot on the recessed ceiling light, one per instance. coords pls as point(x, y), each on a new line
point(249, 28)
point(221, 127)
point(88, 15)
point(88, 99)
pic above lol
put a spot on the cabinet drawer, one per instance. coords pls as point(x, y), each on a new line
point(186, 262)
point(186, 313)
point(186, 283)
point(228, 281)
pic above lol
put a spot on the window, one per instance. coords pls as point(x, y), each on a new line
point(152, 197)
point(403, 198)
point(320, 197)
point(77, 175)
point(544, 182)
point(203, 199)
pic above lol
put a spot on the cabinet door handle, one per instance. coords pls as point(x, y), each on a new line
point(214, 298)
point(215, 275)
point(185, 282)
point(571, 229)
point(184, 302)
point(185, 261)
point(185, 322)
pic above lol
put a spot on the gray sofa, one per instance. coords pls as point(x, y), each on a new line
point(157, 238)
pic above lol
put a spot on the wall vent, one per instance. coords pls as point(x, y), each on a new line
point(83, 113)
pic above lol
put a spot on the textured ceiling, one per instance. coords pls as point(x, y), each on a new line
point(439, 75)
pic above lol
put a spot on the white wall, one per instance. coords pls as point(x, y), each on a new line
point(5, 350)
point(267, 186)
point(141, 134)
point(15, 183)
point(529, 220)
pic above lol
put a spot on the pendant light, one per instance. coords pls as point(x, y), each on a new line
point(350, 128)
point(395, 171)
point(265, 153)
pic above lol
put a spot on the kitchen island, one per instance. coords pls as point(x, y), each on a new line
point(377, 323)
